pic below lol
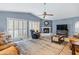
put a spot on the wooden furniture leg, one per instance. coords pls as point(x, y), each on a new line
point(73, 49)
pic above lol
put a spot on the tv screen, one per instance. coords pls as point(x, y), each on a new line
point(62, 27)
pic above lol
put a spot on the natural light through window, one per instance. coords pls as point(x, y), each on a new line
point(17, 27)
point(77, 27)
point(20, 28)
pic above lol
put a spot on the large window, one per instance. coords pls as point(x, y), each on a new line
point(77, 27)
point(10, 27)
point(34, 25)
point(21, 28)
point(17, 27)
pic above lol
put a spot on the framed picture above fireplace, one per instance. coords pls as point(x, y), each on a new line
point(46, 23)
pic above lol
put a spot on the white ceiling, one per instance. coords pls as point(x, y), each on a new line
point(60, 10)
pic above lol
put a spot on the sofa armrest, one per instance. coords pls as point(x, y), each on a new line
point(2, 47)
point(12, 50)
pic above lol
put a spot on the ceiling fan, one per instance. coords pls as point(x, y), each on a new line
point(45, 13)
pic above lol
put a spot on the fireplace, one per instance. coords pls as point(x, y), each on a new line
point(46, 30)
point(46, 26)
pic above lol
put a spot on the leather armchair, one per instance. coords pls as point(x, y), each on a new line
point(35, 35)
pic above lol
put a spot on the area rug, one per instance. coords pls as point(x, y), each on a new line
point(42, 47)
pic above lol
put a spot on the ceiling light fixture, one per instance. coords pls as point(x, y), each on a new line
point(45, 12)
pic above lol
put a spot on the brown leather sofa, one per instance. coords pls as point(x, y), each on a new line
point(7, 48)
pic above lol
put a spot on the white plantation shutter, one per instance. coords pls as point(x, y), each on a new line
point(34, 25)
point(76, 27)
point(17, 27)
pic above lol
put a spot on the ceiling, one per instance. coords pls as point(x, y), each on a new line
point(60, 10)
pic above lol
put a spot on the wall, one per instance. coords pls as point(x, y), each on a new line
point(69, 21)
point(28, 16)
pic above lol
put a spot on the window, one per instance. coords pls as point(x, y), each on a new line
point(17, 27)
point(10, 27)
point(77, 27)
point(34, 25)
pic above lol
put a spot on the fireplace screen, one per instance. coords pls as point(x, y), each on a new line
point(46, 30)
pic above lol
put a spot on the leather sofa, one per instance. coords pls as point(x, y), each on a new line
point(7, 48)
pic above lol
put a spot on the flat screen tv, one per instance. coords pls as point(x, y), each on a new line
point(62, 27)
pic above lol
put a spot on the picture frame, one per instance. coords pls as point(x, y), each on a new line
point(46, 23)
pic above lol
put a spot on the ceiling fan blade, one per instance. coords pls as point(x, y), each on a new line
point(49, 14)
point(42, 15)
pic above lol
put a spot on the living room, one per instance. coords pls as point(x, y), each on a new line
point(40, 29)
